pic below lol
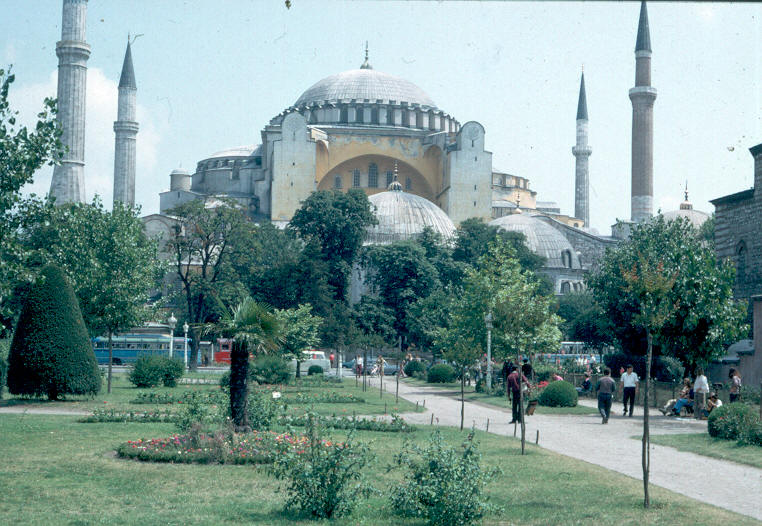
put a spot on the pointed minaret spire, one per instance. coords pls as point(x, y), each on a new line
point(642, 96)
point(126, 130)
point(366, 64)
point(68, 183)
point(582, 153)
point(395, 185)
point(643, 42)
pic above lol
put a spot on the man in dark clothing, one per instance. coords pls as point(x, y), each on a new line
point(514, 386)
point(526, 368)
point(605, 389)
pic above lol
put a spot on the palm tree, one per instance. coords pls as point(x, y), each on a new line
point(253, 329)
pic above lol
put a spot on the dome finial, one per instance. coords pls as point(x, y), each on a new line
point(366, 64)
point(518, 203)
point(395, 185)
point(686, 205)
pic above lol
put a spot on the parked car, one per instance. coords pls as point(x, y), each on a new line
point(312, 358)
point(389, 369)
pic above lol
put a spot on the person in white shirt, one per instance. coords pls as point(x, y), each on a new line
point(700, 392)
point(629, 388)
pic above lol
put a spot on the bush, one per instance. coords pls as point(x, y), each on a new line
point(314, 369)
point(196, 415)
point(3, 375)
point(444, 485)
point(731, 421)
point(558, 394)
point(543, 371)
point(51, 353)
point(263, 409)
point(150, 371)
point(414, 367)
point(440, 373)
point(269, 370)
point(750, 395)
point(323, 478)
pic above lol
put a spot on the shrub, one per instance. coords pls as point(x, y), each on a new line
point(323, 478)
point(263, 409)
point(444, 485)
point(558, 394)
point(413, 367)
point(3, 375)
point(750, 395)
point(731, 420)
point(440, 373)
point(51, 353)
point(150, 371)
point(543, 371)
point(314, 369)
point(196, 415)
point(751, 435)
point(269, 370)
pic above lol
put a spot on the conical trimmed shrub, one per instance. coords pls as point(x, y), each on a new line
point(51, 353)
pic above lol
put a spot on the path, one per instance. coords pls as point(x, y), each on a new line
point(735, 487)
point(21, 409)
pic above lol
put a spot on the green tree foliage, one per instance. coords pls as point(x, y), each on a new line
point(336, 223)
point(705, 319)
point(373, 318)
point(584, 320)
point(474, 238)
point(299, 332)
point(51, 353)
point(200, 246)
point(22, 153)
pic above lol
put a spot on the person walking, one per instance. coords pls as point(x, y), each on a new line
point(700, 392)
point(513, 384)
point(605, 389)
point(735, 384)
point(629, 388)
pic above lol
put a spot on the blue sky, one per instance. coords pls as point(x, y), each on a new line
point(211, 74)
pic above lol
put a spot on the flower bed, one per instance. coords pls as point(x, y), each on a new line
point(323, 397)
point(111, 415)
point(251, 448)
point(203, 397)
point(396, 425)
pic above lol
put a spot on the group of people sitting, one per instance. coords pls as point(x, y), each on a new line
point(693, 398)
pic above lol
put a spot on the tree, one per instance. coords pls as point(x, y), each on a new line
point(584, 320)
point(707, 318)
point(299, 332)
point(464, 353)
point(253, 329)
point(51, 353)
point(200, 245)
point(474, 238)
point(111, 263)
point(22, 153)
point(336, 223)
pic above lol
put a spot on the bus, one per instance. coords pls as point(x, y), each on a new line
point(128, 347)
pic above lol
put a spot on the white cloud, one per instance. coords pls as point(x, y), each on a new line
point(100, 114)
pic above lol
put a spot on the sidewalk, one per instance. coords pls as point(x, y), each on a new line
point(735, 487)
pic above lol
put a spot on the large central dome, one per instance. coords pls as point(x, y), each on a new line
point(365, 84)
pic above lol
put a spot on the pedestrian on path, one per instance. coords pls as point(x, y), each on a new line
point(513, 384)
point(629, 388)
point(735, 384)
point(700, 392)
point(605, 389)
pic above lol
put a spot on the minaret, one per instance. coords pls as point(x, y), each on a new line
point(582, 153)
point(126, 130)
point(68, 183)
point(642, 97)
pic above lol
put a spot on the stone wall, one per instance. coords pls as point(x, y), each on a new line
point(591, 248)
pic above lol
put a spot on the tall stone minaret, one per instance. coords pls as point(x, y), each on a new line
point(68, 184)
point(126, 130)
point(582, 153)
point(642, 97)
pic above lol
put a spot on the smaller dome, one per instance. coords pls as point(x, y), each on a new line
point(179, 171)
point(240, 151)
point(404, 216)
point(541, 238)
point(696, 217)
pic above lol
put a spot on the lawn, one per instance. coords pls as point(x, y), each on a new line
point(57, 471)
point(703, 444)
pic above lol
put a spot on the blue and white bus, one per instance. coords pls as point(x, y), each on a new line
point(128, 347)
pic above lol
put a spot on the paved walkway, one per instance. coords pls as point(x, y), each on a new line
point(728, 485)
point(20, 410)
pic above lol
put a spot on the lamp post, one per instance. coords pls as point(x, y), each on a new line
point(488, 323)
point(172, 321)
point(185, 349)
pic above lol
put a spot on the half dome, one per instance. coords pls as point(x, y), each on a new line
point(365, 84)
point(541, 238)
point(403, 216)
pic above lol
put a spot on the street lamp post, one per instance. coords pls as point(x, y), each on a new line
point(172, 321)
point(488, 323)
point(185, 349)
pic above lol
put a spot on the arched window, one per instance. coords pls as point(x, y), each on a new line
point(356, 178)
point(372, 175)
point(337, 181)
point(741, 255)
point(344, 117)
point(389, 177)
point(408, 184)
point(566, 258)
point(565, 287)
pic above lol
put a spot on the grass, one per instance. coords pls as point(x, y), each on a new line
point(703, 444)
point(63, 472)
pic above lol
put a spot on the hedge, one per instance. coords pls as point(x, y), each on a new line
point(558, 394)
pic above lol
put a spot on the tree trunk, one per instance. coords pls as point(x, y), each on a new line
point(462, 396)
point(239, 373)
point(521, 404)
point(110, 360)
point(363, 370)
point(193, 358)
point(646, 453)
point(298, 368)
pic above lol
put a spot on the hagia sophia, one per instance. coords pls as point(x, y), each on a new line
point(371, 130)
